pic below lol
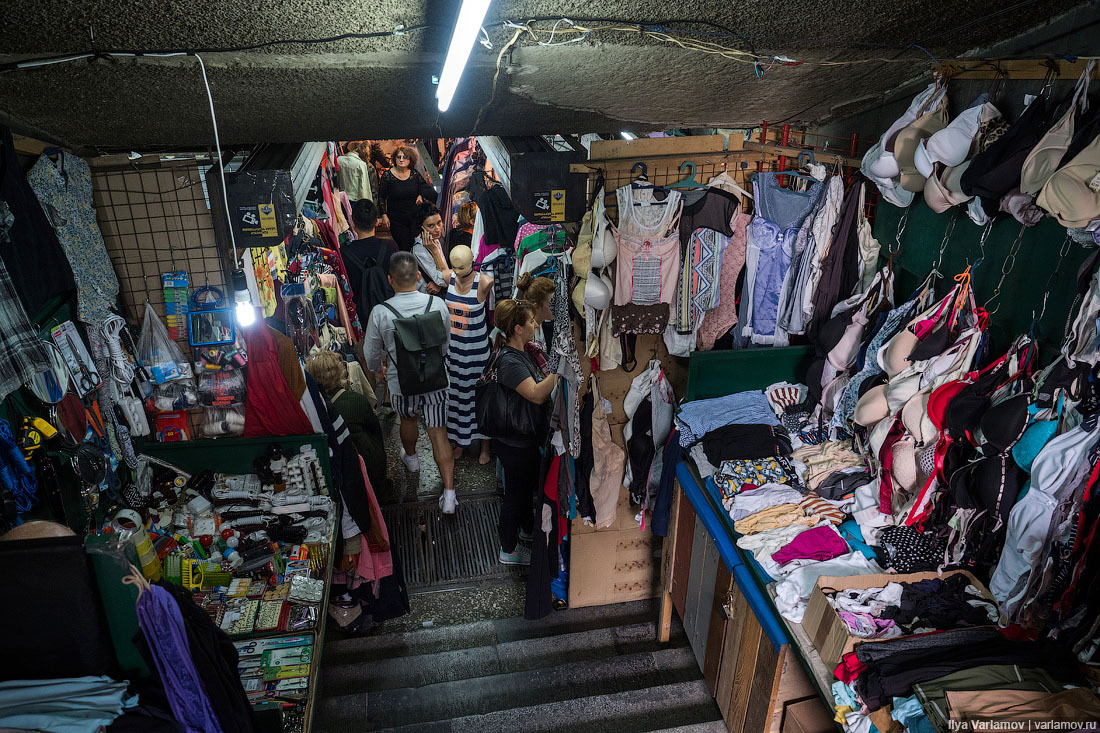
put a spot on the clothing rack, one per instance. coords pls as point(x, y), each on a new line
point(1020, 69)
point(711, 155)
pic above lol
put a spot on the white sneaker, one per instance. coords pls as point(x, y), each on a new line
point(448, 501)
point(522, 556)
point(411, 462)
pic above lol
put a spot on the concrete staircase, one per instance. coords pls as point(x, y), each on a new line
point(580, 670)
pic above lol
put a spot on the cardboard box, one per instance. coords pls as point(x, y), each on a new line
point(830, 635)
point(807, 716)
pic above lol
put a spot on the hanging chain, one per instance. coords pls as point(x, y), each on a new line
point(943, 245)
point(1006, 266)
point(1066, 245)
point(894, 249)
point(981, 244)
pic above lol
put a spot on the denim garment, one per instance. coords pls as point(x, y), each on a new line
point(696, 419)
point(784, 206)
point(773, 259)
point(772, 235)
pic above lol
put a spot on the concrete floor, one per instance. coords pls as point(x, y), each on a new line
point(484, 601)
point(470, 476)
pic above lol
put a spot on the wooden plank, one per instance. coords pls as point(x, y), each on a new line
point(685, 534)
point(821, 156)
point(668, 556)
point(758, 714)
point(737, 610)
point(664, 619)
point(648, 147)
point(792, 684)
point(751, 637)
point(1017, 68)
point(28, 145)
point(694, 584)
point(716, 640)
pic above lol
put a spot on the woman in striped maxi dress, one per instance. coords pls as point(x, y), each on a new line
point(469, 349)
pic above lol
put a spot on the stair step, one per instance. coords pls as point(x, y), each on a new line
point(433, 640)
point(556, 687)
point(680, 706)
point(344, 676)
point(711, 726)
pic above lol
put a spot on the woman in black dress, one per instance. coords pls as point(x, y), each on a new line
point(400, 190)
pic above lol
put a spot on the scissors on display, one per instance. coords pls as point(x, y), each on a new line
point(88, 379)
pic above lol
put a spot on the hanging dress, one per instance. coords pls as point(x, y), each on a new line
point(648, 258)
point(609, 461)
point(466, 359)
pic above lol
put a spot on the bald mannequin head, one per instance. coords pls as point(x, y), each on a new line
point(462, 260)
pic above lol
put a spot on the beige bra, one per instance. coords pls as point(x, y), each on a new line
point(1072, 195)
point(1043, 160)
point(905, 146)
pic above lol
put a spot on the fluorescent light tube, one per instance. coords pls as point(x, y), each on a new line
point(628, 135)
point(467, 27)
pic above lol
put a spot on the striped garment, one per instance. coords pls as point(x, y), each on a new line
point(466, 359)
point(814, 504)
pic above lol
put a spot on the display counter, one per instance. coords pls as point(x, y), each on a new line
point(763, 670)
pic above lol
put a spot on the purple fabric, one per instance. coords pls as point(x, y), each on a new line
point(161, 622)
point(819, 543)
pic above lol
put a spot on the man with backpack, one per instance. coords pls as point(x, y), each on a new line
point(367, 260)
point(406, 342)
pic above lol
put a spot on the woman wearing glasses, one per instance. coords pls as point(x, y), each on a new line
point(400, 190)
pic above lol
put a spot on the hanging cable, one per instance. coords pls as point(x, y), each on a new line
point(122, 371)
point(221, 166)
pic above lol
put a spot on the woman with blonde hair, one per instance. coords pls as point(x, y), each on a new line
point(400, 190)
point(330, 371)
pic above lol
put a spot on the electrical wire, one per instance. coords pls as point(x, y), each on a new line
point(496, 77)
point(122, 371)
point(221, 166)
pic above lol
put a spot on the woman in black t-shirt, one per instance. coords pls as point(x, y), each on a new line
point(520, 457)
point(399, 191)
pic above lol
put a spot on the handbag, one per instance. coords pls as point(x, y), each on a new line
point(504, 413)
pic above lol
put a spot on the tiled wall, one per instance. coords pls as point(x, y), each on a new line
point(155, 220)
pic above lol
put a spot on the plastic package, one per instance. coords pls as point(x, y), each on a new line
point(220, 422)
point(178, 395)
point(221, 389)
point(160, 354)
point(221, 357)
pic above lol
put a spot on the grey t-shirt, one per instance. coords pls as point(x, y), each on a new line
point(516, 366)
point(513, 369)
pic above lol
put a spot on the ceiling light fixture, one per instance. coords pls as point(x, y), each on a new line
point(467, 27)
point(628, 135)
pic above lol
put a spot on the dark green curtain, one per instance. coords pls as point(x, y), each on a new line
point(1037, 267)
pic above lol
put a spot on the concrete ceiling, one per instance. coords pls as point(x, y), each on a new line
point(381, 87)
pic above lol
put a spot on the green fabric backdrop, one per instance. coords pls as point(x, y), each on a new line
point(1023, 288)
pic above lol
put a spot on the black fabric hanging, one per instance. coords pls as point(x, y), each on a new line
point(539, 601)
point(840, 268)
point(214, 654)
point(996, 170)
point(31, 252)
point(500, 217)
point(586, 506)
